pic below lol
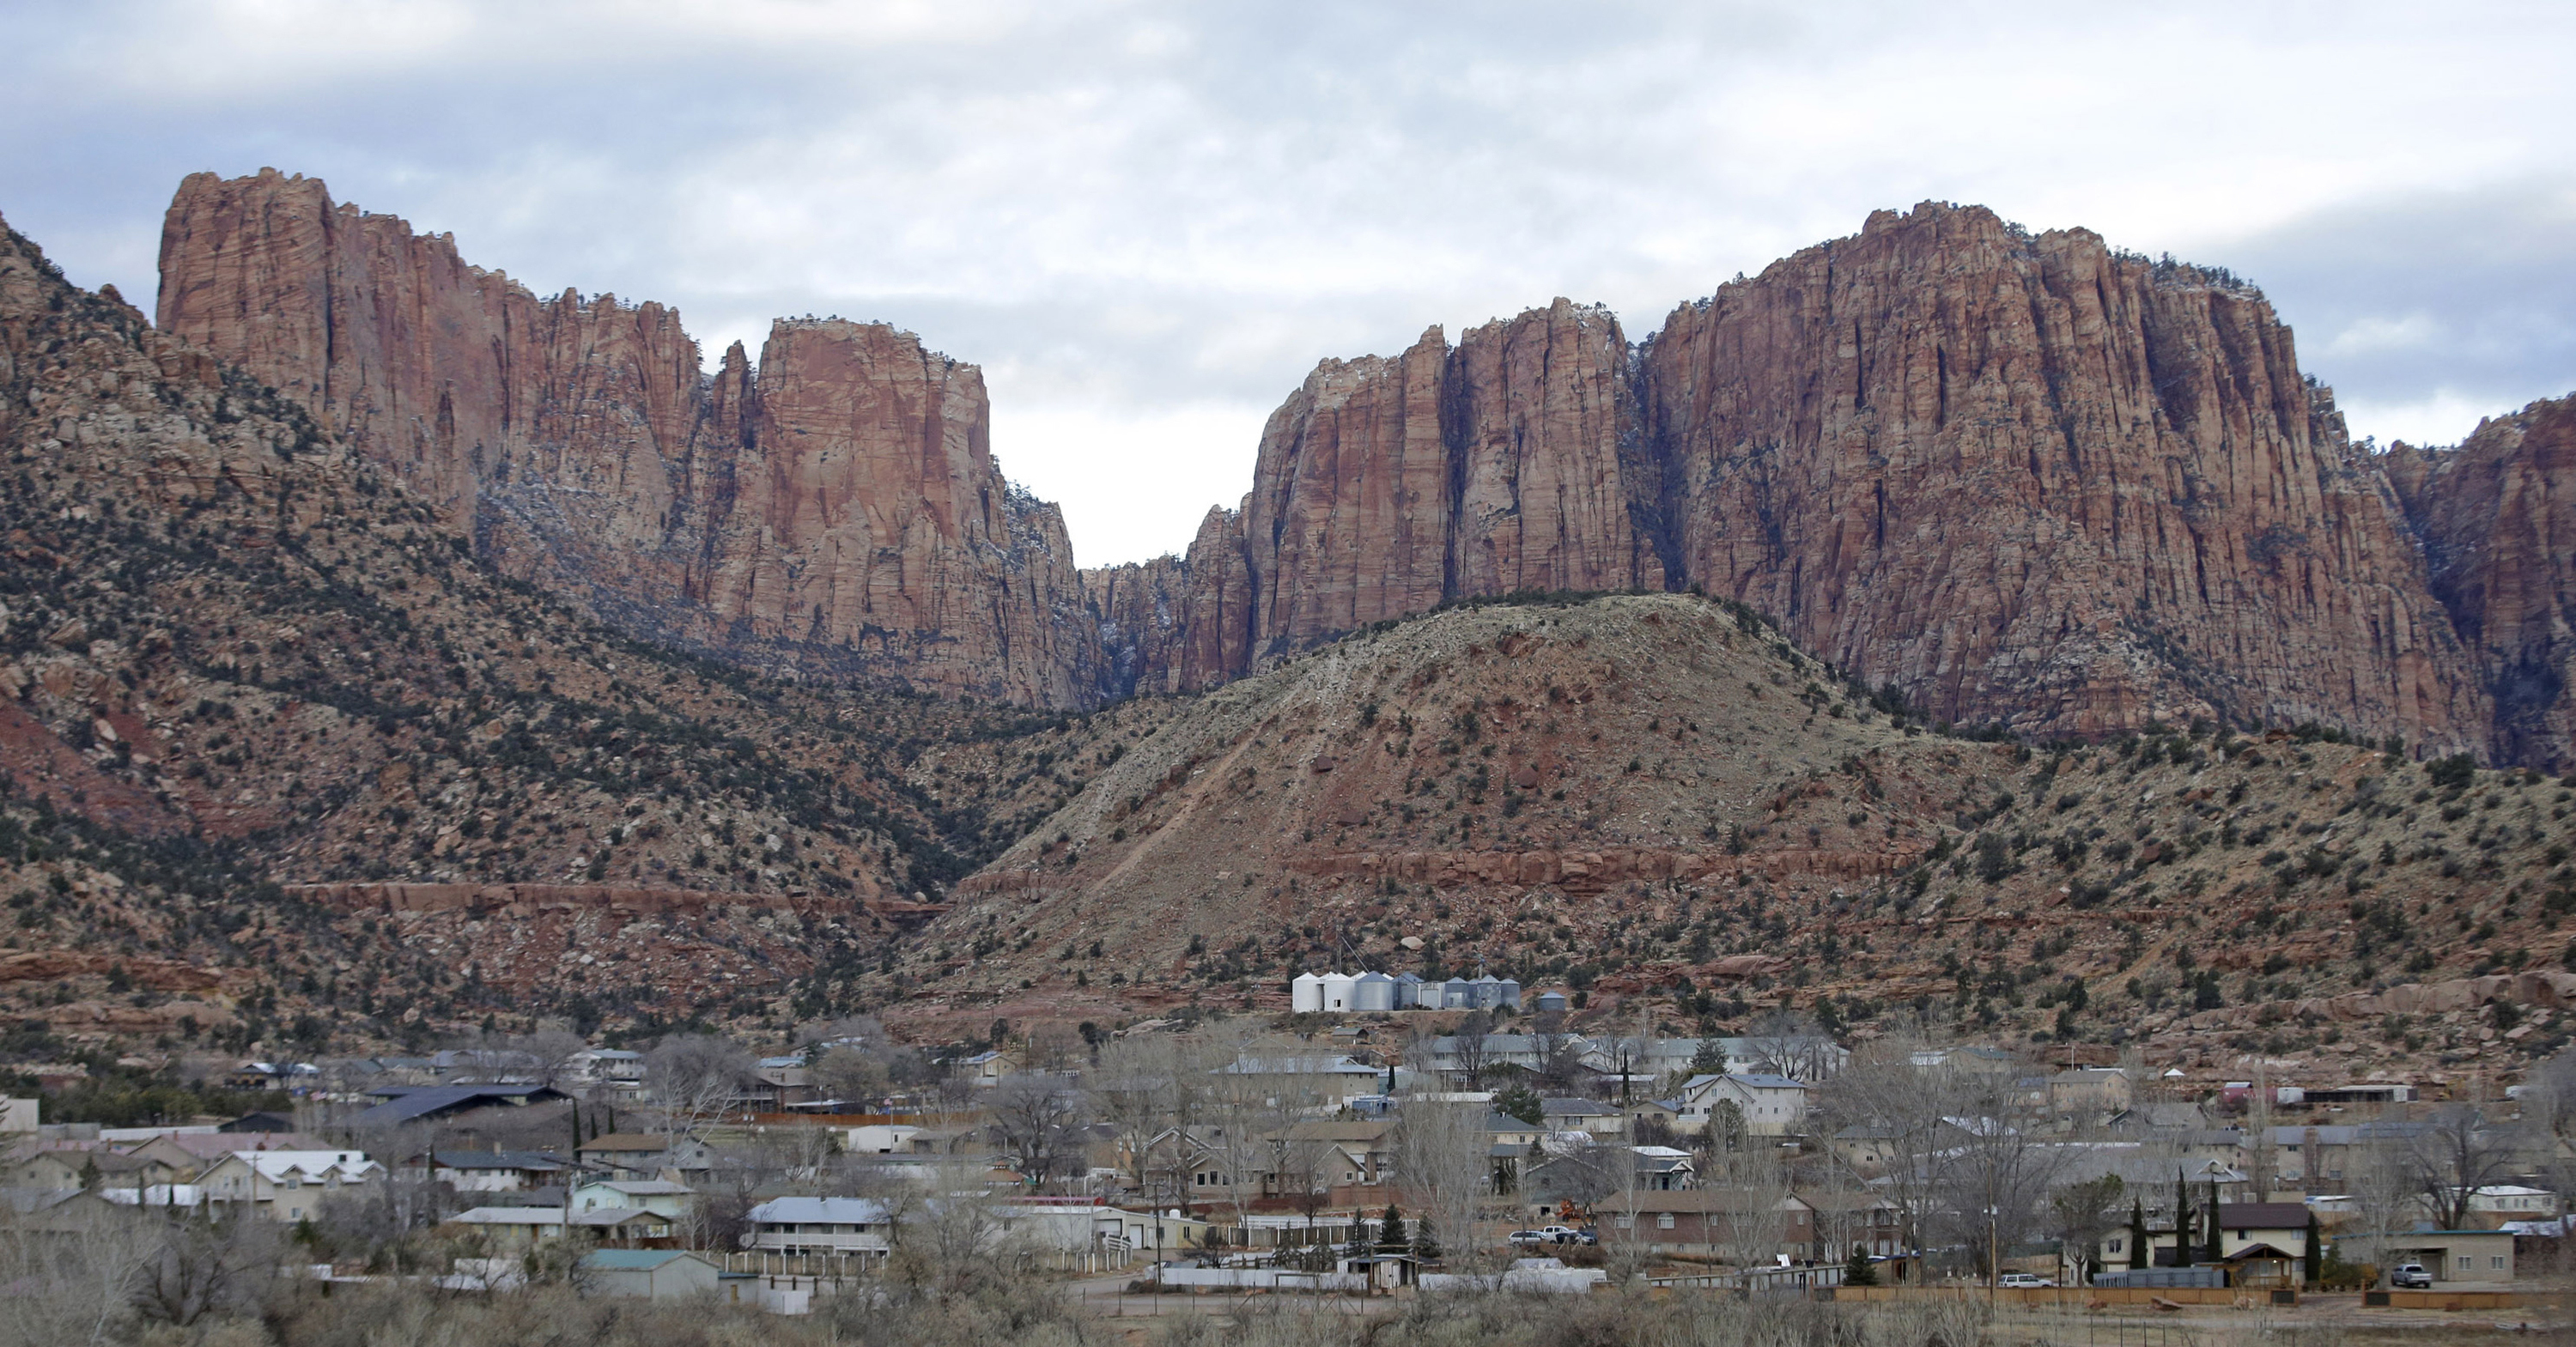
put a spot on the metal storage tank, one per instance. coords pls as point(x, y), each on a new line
point(1457, 994)
point(1408, 991)
point(1485, 993)
point(1337, 991)
point(1373, 991)
point(1548, 1001)
point(1511, 993)
point(1306, 992)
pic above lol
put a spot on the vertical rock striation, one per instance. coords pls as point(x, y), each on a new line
point(2030, 480)
point(1385, 487)
point(838, 513)
point(2020, 479)
point(2498, 518)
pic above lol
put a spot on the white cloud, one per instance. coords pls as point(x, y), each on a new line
point(1133, 212)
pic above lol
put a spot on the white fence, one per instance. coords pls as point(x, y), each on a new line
point(1264, 1279)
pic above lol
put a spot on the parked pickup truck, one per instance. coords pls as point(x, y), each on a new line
point(1554, 1234)
point(2411, 1277)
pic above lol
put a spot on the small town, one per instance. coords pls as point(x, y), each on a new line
point(1338, 1162)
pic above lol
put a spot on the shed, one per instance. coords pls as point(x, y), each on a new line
point(648, 1274)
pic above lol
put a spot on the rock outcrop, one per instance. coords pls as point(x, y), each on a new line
point(2498, 518)
point(838, 514)
point(2018, 479)
point(2030, 480)
point(1386, 486)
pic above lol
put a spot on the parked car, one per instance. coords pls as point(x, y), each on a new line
point(1526, 1238)
point(2022, 1281)
point(2411, 1277)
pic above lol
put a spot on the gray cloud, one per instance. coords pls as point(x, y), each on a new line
point(1148, 218)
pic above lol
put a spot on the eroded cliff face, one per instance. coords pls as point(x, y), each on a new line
point(2029, 480)
point(2498, 518)
point(1385, 486)
point(838, 513)
point(2022, 480)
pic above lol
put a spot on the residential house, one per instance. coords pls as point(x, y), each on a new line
point(611, 1072)
point(986, 1069)
point(1868, 1149)
point(2501, 1202)
point(625, 1227)
point(1324, 1082)
point(882, 1139)
point(509, 1228)
point(649, 1274)
point(644, 1155)
point(2245, 1229)
point(1771, 1106)
point(1582, 1115)
point(2089, 1089)
point(1844, 1218)
point(659, 1196)
point(820, 1225)
point(285, 1185)
point(778, 1083)
point(1736, 1225)
point(259, 1120)
point(2450, 1255)
point(494, 1171)
point(452, 1104)
point(1347, 1154)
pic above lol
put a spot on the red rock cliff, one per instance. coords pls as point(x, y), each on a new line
point(2022, 479)
point(2498, 519)
point(1387, 485)
point(838, 513)
point(2030, 480)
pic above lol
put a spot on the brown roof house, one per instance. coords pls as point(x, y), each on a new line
point(1738, 1226)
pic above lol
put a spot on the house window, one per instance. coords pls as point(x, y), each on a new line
point(2496, 1261)
point(1626, 1221)
point(2466, 1262)
point(1664, 1221)
point(2114, 1246)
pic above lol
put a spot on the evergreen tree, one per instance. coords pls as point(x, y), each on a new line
point(2140, 1254)
point(2312, 1259)
point(1390, 1234)
point(2216, 1251)
point(2182, 1221)
point(1426, 1246)
point(1859, 1271)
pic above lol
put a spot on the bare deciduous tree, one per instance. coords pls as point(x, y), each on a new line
point(694, 1078)
point(1443, 1152)
point(2452, 1157)
point(1038, 1119)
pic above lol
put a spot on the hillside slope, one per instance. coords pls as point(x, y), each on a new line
point(1657, 801)
point(250, 684)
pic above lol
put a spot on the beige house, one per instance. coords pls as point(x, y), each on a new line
point(285, 1185)
point(1771, 1106)
point(2089, 1089)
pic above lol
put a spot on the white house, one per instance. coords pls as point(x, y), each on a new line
point(659, 1196)
point(820, 1225)
point(1771, 1106)
point(285, 1185)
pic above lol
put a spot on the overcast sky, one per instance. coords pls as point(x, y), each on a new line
point(1148, 220)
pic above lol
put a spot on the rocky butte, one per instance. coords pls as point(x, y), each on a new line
point(838, 514)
